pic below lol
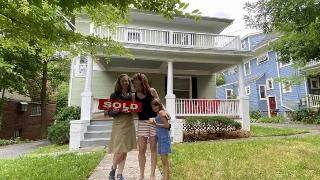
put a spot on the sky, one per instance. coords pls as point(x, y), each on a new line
point(230, 9)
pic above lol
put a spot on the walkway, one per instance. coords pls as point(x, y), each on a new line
point(15, 150)
point(131, 170)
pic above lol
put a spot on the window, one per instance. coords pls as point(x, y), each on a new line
point(315, 84)
point(262, 59)
point(269, 83)
point(35, 109)
point(286, 86)
point(247, 90)
point(229, 93)
point(81, 66)
point(283, 64)
point(247, 69)
point(134, 36)
point(262, 92)
point(243, 44)
point(182, 86)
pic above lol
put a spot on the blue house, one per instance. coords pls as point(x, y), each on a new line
point(267, 80)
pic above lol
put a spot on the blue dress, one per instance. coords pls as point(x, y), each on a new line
point(163, 139)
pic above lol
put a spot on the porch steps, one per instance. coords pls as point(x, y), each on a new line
point(98, 134)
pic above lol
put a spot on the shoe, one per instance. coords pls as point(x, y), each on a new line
point(120, 177)
point(112, 174)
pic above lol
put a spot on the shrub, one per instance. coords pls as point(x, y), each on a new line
point(276, 119)
point(306, 116)
point(255, 115)
point(62, 97)
point(4, 142)
point(205, 128)
point(59, 132)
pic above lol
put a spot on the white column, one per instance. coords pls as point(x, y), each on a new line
point(79, 127)
point(244, 100)
point(86, 95)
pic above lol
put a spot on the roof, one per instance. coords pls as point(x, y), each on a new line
point(266, 40)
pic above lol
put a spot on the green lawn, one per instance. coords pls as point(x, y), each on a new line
point(285, 158)
point(65, 166)
point(258, 131)
point(50, 149)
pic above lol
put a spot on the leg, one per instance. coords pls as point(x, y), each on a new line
point(153, 148)
point(142, 144)
point(122, 163)
point(165, 163)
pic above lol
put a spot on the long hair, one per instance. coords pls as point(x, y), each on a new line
point(144, 82)
point(157, 102)
point(118, 87)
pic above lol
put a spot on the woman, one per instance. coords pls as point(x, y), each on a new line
point(146, 131)
point(123, 137)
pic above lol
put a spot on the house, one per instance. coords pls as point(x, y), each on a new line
point(21, 117)
point(179, 57)
point(268, 82)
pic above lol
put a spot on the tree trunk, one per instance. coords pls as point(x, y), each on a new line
point(43, 99)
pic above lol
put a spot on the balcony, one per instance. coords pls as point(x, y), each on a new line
point(166, 38)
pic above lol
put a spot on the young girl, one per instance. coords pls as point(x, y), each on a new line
point(163, 136)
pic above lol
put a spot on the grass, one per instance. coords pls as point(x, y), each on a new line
point(51, 149)
point(285, 158)
point(258, 131)
point(65, 166)
point(4, 142)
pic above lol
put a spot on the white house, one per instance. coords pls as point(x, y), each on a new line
point(179, 57)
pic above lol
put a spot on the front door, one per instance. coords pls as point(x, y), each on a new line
point(272, 106)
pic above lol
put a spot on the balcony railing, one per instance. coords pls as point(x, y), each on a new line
point(207, 107)
point(313, 101)
point(169, 38)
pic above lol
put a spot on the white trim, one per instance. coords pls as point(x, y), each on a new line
point(227, 84)
point(263, 55)
point(283, 86)
point(268, 105)
point(317, 82)
point(244, 67)
point(265, 92)
point(267, 83)
point(71, 81)
point(226, 92)
point(247, 88)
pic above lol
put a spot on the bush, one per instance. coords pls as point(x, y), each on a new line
point(276, 119)
point(59, 132)
point(306, 116)
point(4, 142)
point(255, 115)
point(205, 128)
point(62, 97)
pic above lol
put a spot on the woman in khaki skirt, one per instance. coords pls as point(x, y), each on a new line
point(123, 137)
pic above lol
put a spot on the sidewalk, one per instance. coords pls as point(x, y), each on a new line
point(15, 150)
point(131, 169)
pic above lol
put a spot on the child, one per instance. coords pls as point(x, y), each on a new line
point(163, 136)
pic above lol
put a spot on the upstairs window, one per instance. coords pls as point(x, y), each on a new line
point(247, 69)
point(262, 59)
point(229, 93)
point(262, 92)
point(286, 86)
point(315, 84)
point(269, 83)
point(35, 109)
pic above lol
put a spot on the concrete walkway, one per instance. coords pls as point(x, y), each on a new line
point(131, 169)
point(15, 150)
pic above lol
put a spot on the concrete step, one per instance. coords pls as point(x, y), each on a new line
point(95, 142)
point(99, 127)
point(97, 134)
point(100, 122)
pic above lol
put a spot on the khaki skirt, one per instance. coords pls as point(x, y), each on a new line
point(123, 136)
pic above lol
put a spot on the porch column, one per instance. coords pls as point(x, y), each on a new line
point(176, 124)
point(244, 100)
point(79, 127)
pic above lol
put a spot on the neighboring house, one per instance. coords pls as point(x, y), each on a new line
point(179, 57)
point(262, 74)
point(21, 117)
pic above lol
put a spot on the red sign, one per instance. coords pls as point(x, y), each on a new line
point(119, 105)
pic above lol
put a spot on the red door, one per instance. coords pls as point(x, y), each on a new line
point(272, 106)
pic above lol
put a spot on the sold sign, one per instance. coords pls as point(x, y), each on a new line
point(119, 105)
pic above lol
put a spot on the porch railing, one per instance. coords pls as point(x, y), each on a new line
point(313, 62)
point(314, 101)
point(169, 38)
point(207, 107)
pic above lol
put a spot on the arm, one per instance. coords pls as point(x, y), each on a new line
point(163, 119)
point(154, 93)
point(113, 113)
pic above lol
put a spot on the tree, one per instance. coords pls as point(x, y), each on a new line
point(220, 79)
point(298, 22)
point(35, 31)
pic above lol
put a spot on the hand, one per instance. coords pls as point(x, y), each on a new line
point(125, 111)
